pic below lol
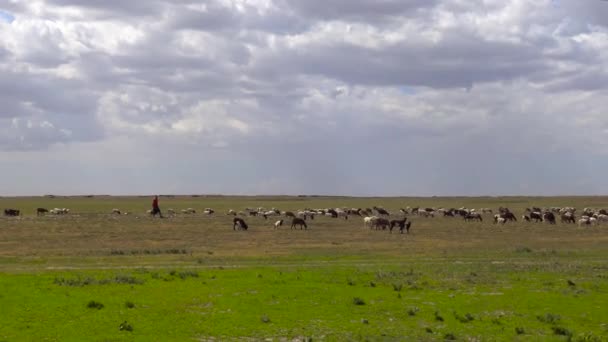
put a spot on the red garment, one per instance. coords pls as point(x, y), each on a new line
point(155, 203)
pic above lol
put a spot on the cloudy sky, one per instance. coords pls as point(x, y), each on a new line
point(353, 97)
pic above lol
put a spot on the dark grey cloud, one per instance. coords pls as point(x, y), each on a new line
point(358, 10)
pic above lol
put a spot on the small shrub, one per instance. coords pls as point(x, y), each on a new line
point(95, 305)
point(350, 282)
point(364, 321)
point(587, 337)
point(520, 331)
point(126, 279)
point(358, 301)
point(549, 318)
point(428, 330)
point(449, 337)
point(129, 305)
point(412, 311)
point(125, 326)
point(561, 331)
point(464, 319)
point(187, 274)
point(523, 250)
point(397, 287)
point(265, 319)
point(438, 317)
point(372, 284)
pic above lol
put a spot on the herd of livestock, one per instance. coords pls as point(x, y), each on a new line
point(380, 218)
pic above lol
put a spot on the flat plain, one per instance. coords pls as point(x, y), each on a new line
point(91, 275)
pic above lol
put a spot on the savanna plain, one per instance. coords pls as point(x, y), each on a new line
point(94, 276)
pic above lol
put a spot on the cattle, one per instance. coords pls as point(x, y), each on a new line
point(536, 216)
point(381, 211)
point(331, 213)
point(12, 212)
point(278, 224)
point(473, 217)
point(298, 222)
point(402, 224)
point(509, 216)
point(41, 211)
point(549, 217)
point(381, 223)
point(425, 213)
point(239, 223)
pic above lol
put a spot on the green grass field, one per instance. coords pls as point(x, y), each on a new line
point(91, 276)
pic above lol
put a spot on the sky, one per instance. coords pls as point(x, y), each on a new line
point(331, 97)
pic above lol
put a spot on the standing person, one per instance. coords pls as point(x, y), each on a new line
point(155, 208)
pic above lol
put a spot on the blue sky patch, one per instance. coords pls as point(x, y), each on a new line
point(5, 16)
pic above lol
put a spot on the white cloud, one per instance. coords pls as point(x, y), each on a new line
point(310, 96)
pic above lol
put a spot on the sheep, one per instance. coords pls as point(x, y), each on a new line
point(278, 224)
point(584, 221)
point(116, 212)
point(369, 221)
point(238, 222)
point(41, 211)
point(59, 211)
point(501, 220)
point(231, 212)
point(188, 211)
point(171, 212)
point(208, 211)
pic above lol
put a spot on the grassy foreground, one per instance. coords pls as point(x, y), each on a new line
point(94, 277)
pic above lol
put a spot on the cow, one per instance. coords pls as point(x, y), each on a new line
point(298, 222)
point(12, 212)
point(381, 223)
point(41, 211)
point(473, 216)
point(402, 225)
point(549, 217)
point(536, 216)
